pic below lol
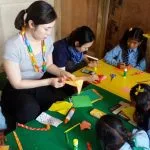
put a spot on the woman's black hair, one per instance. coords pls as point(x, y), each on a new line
point(40, 12)
point(134, 34)
point(111, 132)
point(81, 34)
point(142, 104)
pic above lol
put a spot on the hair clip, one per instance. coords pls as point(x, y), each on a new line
point(139, 90)
point(147, 35)
point(130, 29)
point(25, 16)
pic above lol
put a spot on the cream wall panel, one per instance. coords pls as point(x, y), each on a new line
point(8, 12)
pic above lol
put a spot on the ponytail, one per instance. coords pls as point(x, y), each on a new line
point(19, 21)
point(40, 12)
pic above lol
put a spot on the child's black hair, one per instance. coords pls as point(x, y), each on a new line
point(134, 34)
point(140, 95)
point(81, 34)
point(111, 132)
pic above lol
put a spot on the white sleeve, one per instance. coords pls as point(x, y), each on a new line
point(141, 138)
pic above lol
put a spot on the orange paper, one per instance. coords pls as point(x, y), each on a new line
point(85, 125)
point(76, 83)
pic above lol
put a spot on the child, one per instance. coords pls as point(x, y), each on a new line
point(130, 51)
point(114, 136)
point(140, 97)
point(69, 54)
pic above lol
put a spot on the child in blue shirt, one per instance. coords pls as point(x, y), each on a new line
point(113, 135)
point(130, 51)
point(69, 52)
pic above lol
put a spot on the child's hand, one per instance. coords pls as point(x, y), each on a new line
point(121, 65)
point(93, 64)
point(2, 138)
point(129, 66)
point(92, 78)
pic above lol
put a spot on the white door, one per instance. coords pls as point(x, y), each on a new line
point(8, 12)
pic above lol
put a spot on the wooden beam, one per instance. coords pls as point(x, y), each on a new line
point(102, 20)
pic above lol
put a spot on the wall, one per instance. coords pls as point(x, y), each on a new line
point(124, 14)
point(75, 13)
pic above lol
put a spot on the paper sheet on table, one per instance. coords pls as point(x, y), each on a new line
point(81, 101)
point(129, 111)
point(44, 118)
point(61, 106)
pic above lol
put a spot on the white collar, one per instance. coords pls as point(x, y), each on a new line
point(125, 146)
point(130, 50)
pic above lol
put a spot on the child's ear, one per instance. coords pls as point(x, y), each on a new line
point(77, 44)
point(31, 24)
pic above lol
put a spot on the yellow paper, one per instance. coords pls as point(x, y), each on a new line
point(97, 113)
point(61, 106)
point(76, 83)
point(72, 83)
point(79, 85)
point(129, 111)
point(4, 147)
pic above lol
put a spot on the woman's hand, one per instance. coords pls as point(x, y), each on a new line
point(93, 64)
point(67, 75)
point(57, 82)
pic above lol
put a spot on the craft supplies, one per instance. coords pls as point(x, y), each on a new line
point(75, 144)
point(69, 115)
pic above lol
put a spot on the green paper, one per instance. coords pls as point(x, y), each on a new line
point(81, 101)
point(91, 94)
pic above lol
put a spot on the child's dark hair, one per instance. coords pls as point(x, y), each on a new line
point(81, 34)
point(134, 34)
point(140, 95)
point(111, 132)
point(40, 12)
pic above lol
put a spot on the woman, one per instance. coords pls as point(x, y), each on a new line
point(33, 79)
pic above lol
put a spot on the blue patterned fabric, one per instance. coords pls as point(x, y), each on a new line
point(115, 56)
point(76, 56)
